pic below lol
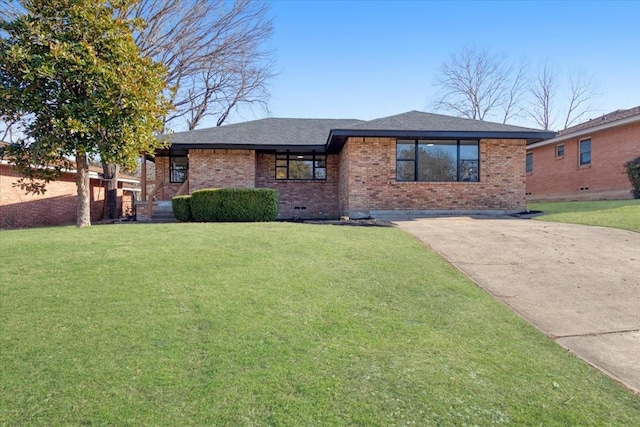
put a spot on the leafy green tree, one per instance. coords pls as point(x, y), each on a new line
point(71, 71)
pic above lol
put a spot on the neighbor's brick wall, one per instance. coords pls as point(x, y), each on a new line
point(372, 185)
point(221, 168)
point(319, 198)
point(56, 206)
point(605, 177)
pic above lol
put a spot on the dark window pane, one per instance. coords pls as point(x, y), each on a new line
point(585, 152)
point(469, 150)
point(469, 171)
point(405, 150)
point(405, 170)
point(437, 161)
point(560, 151)
point(300, 169)
point(529, 165)
point(178, 167)
point(281, 173)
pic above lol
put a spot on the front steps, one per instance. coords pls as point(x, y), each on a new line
point(162, 212)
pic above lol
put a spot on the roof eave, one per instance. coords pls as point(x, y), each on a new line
point(176, 148)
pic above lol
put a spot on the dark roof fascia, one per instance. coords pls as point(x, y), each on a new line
point(181, 148)
point(340, 135)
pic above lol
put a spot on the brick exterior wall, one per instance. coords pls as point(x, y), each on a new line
point(343, 180)
point(162, 171)
point(362, 179)
point(604, 178)
point(369, 173)
point(57, 206)
point(313, 199)
point(221, 169)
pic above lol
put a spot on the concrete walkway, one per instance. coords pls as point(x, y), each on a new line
point(578, 284)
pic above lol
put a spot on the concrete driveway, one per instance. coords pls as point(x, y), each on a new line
point(578, 284)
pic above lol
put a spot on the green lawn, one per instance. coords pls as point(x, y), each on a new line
point(623, 214)
point(271, 324)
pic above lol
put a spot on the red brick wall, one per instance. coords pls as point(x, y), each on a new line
point(318, 198)
point(604, 178)
point(371, 171)
point(56, 206)
point(163, 173)
point(343, 180)
point(221, 168)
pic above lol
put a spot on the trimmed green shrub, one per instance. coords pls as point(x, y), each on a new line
point(181, 206)
point(633, 170)
point(234, 204)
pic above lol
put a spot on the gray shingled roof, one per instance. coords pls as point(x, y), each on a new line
point(420, 121)
point(265, 132)
point(604, 119)
point(331, 134)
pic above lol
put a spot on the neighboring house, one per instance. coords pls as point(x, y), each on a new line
point(58, 204)
point(414, 163)
point(585, 162)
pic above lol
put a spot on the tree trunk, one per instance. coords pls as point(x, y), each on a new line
point(84, 196)
point(110, 173)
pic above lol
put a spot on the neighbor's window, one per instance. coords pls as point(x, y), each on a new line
point(559, 150)
point(178, 169)
point(529, 167)
point(301, 166)
point(585, 152)
point(437, 160)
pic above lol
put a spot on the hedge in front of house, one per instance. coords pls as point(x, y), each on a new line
point(234, 204)
point(181, 206)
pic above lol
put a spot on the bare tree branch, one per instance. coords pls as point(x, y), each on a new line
point(476, 85)
point(583, 90)
point(214, 52)
point(543, 88)
point(514, 104)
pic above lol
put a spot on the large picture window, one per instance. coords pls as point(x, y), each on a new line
point(301, 166)
point(437, 160)
point(178, 169)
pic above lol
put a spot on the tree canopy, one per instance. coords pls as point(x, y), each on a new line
point(71, 72)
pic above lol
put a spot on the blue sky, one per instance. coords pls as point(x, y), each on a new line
point(369, 59)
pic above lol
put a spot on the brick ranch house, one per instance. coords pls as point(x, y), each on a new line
point(585, 162)
point(416, 163)
point(57, 206)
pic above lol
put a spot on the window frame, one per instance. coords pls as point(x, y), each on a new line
point(528, 162)
point(416, 162)
point(580, 152)
point(558, 147)
point(316, 158)
point(173, 170)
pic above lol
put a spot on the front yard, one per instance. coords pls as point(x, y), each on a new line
point(271, 324)
point(623, 214)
